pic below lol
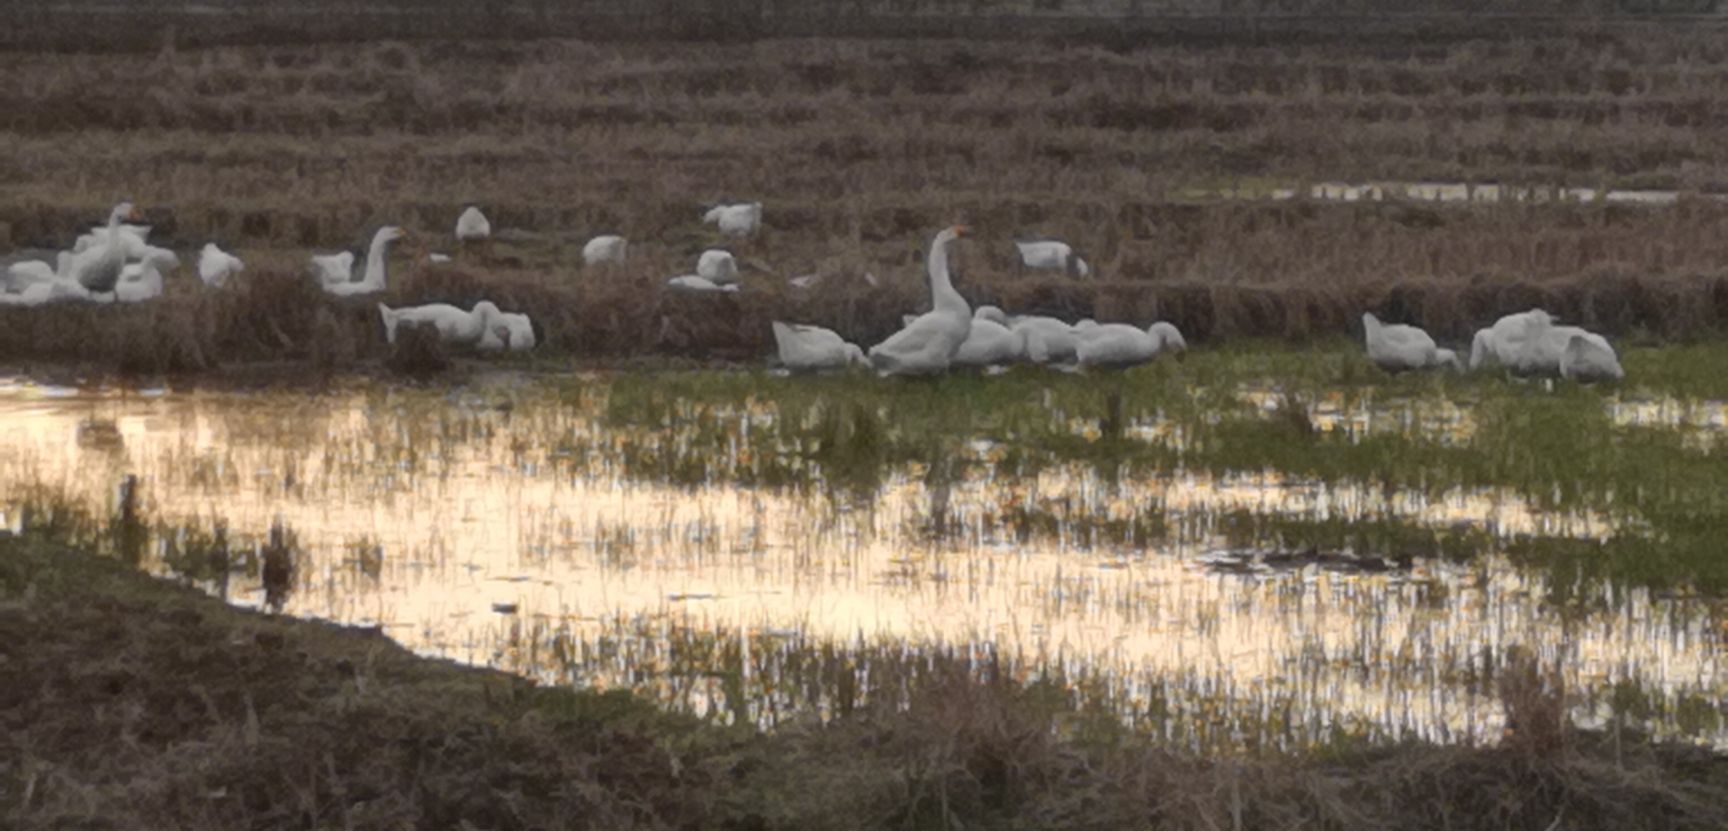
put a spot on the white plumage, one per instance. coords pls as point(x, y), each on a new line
point(805, 348)
point(472, 225)
point(216, 267)
point(739, 220)
point(927, 345)
point(606, 248)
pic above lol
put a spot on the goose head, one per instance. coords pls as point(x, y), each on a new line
point(388, 234)
point(124, 212)
point(992, 314)
point(952, 233)
point(1167, 336)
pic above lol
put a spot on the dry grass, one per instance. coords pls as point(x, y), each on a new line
point(861, 149)
point(139, 704)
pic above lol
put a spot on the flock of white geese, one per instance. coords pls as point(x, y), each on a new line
point(115, 264)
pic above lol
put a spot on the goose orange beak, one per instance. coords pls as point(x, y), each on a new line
point(134, 215)
point(961, 230)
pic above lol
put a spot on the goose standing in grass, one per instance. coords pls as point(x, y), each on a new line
point(472, 226)
point(814, 349)
point(1120, 345)
point(1397, 347)
point(991, 342)
point(216, 267)
point(97, 267)
point(1588, 358)
point(341, 282)
point(455, 326)
point(606, 248)
point(927, 345)
point(1049, 341)
point(717, 266)
point(697, 284)
point(1052, 255)
point(739, 220)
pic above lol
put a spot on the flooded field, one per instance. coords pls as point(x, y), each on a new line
point(1238, 551)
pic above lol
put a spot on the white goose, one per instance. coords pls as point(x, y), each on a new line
point(517, 336)
point(990, 343)
point(338, 281)
point(1502, 342)
point(22, 275)
point(1397, 347)
point(57, 290)
point(141, 281)
point(455, 326)
point(97, 267)
point(697, 284)
point(717, 266)
point(1052, 255)
point(813, 349)
point(1120, 345)
point(606, 248)
point(472, 225)
point(1542, 349)
point(1587, 359)
point(927, 345)
point(739, 220)
point(216, 267)
point(132, 236)
point(1048, 341)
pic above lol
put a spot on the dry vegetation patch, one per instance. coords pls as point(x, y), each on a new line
point(860, 149)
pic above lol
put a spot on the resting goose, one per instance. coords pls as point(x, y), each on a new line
point(1052, 255)
point(472, 225)
point(141, 281)
point(1588, 358)
point(1048, 341)
point(216, 267)
point(606, 248)
point(1120, 345)
point(340, 281)
point(813, 349)
point(739, 220)
point(1502, 342)
point(517, 334)
point(927, 344)
point(991, 342)
point(1542, 350)
point(698, 284)
point(717, 266)
point(1397, 347)
point(455, 326)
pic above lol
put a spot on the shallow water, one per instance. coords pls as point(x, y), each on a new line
point(724, 557)
point(1450, 192)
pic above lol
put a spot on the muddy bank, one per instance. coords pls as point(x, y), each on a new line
point(145, 704)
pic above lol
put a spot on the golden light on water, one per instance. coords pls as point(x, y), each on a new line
point(465, 509)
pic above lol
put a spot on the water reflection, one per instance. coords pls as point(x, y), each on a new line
point(539, 530)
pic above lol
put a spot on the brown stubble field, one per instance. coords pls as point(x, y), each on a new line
point(861, 149)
